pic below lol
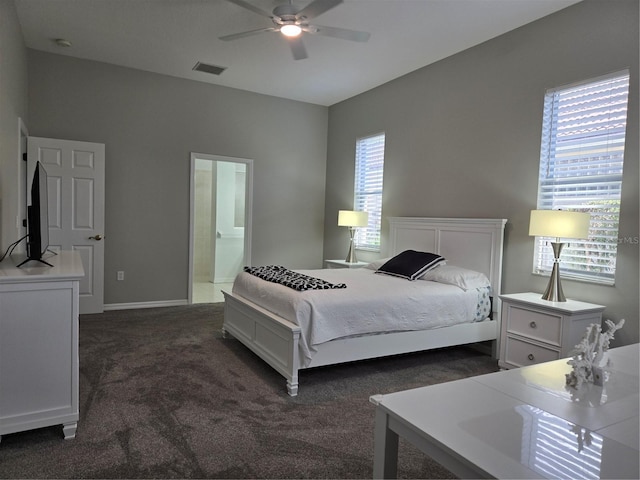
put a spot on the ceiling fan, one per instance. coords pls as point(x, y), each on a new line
point(291, 22)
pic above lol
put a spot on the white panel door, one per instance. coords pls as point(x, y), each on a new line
point(75, 173)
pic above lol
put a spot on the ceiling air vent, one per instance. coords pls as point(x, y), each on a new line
point(206, 68)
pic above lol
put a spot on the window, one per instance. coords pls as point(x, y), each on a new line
point(581, 159)
point(368, 189)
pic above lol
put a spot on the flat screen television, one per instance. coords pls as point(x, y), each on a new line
point(38, 217)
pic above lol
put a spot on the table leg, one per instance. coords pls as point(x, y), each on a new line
point(385, 452)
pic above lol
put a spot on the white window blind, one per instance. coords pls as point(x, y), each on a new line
point(581, 160)
point(368, 189)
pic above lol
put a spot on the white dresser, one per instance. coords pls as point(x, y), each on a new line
point(39, 343)
point(535, 330)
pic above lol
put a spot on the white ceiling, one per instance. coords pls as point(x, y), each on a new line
point(170, 36)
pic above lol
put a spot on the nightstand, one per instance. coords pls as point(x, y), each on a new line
point(535, 330)
point(344, 264)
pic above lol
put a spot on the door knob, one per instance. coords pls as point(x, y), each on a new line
point(97, 238)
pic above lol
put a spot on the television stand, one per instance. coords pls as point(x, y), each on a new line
point(33, 260)
point(39, 374)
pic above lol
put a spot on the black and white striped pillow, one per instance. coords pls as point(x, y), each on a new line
point(411, 264)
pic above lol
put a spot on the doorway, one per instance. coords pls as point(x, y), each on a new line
point(220, 224)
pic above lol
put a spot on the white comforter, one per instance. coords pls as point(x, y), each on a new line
point(371, 303)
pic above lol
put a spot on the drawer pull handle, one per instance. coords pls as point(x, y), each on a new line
point(531, 357)
point(533, 325)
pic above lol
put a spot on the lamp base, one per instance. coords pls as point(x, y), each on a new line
point(554, 292)
point(351, 256)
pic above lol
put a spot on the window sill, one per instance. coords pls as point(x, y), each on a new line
point(372, 250)
point(565, 276)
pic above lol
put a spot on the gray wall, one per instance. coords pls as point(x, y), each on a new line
point(150, 123)
point(463, 139)
point(13, 105)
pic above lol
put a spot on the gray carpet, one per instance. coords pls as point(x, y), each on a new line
point(163, 395)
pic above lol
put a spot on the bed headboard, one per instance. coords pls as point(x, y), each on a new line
point(474, 243)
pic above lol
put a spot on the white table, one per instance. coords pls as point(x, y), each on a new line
point(520, 423)
point(344, 264)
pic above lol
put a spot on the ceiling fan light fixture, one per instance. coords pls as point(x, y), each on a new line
point(292, 21)
point(290, 30)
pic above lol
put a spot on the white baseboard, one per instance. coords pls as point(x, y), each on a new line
point(134, 305)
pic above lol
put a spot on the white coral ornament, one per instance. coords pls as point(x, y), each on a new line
point(588, 356)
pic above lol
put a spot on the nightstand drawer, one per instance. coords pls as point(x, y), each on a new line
point(544, 327)
point(521, 353)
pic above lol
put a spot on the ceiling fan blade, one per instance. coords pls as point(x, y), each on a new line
point(253, 8)
point(250, 33)
point(297, 48)
point(317, 7)
point(343, 33)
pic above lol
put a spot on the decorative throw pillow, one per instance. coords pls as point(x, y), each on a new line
point(461, 277)
point(411, 264)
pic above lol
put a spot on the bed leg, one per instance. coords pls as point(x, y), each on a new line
point(292, 388)
point(224, 333)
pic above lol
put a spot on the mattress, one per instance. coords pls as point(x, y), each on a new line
point(370, 304)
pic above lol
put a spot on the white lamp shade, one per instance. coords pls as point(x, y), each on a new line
point(559, 224)
point(350, 218)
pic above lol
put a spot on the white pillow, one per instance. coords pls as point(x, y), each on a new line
point(461, 277)
point(376, 264)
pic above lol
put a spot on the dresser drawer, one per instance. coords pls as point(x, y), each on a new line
point(521, 353)
point(544, 327)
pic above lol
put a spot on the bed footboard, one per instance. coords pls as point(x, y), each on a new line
point(272, 338)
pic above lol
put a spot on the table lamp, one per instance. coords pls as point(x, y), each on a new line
point(559, 224)
point(352, 219)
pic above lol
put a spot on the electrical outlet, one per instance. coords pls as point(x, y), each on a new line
point(120, 275)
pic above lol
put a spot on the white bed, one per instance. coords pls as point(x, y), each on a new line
point(279, 334)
